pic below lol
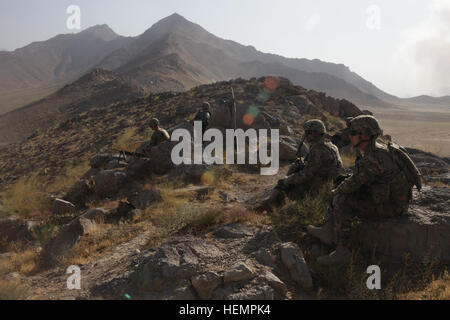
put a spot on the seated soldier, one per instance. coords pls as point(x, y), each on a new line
point(379, 188)
point(159, 136)
point(204, 115)
point(322, 164)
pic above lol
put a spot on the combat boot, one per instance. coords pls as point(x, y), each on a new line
point(325, 234)
point(341, 256)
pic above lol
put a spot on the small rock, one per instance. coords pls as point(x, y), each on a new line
point(239, 272)
point(226, 197)
point(233, 231)
point(273, 281)
point(253, 293)
point(206, 283)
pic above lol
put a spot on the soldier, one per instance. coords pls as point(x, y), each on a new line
point(380, 187)
point(322, 164)
point(204, 115)
point(159, 136)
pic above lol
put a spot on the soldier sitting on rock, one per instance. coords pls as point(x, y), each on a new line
point(159, 136)
point(322, 164)
point(204, 115)
point(379, 188)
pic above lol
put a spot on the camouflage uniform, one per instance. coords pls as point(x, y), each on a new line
point(204, 116)
point(322, 164)
point(377, 189)
point(159, 136)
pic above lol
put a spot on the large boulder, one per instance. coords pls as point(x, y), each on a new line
point(144, 198)
point(170, 265)
point(109, 182)
point(60, 207)
point(424, 233)
point(292, 259)
point(161, 157)
point(68, 235)
point(79, 193)
point(99, 161)
point(15, 229)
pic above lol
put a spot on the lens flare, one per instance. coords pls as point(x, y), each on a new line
point(253, 110)
point(248, 119)
point(207, 179)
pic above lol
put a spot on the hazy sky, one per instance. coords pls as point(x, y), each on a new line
point(403, 47)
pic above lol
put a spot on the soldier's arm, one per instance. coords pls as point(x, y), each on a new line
point(368, 169)
point(312, 167)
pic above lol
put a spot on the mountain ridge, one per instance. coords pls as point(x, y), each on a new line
point(189, 56)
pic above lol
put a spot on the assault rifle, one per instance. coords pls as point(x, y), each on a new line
point(124, 154)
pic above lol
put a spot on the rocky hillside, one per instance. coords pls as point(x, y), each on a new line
point(55, 62)
point(71, 139)
point(96, 89)
point(146, 229)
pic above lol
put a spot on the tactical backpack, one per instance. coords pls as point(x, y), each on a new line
point(404, 162)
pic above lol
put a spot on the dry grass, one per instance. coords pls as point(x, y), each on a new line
point(23, 262)
point(293, 216)
point(28, 197)
point(438, 289)
point(129, 140)
point(93, 246)
point(13, 290)
point(25, 198)
point(406, 281)
point(244, 216)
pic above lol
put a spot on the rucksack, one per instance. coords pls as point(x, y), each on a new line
point(404, 162)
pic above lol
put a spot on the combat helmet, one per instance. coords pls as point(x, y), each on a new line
point(315, 125)
point(153, 122)
point(366, 124)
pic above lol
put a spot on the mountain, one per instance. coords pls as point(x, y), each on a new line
point(176, 54)
point(173, 55)
point(44, 66)
point(95, 89)
point(443, 102)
